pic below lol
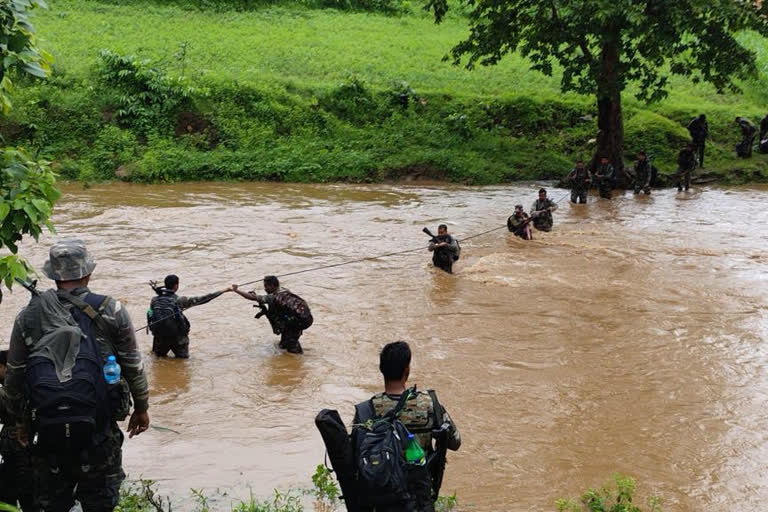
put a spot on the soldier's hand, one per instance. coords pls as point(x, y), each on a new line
point(233, 287)
point(138, 423)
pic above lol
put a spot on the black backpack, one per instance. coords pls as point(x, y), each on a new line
point(295, 309)
point(165, 318)
point(71, 419)
point(378, 443)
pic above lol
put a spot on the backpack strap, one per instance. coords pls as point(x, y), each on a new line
point(365, 411)
point(95, 314)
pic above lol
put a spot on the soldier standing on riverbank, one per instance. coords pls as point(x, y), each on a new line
point(59, 347)
point(541, 212)
point(744, 149)
point(699, 130)
point(580, 179)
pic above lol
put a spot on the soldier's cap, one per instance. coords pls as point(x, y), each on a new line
point(68, 260)
point(518, 207)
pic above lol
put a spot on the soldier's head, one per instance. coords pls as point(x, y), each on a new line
point(738, 119)
point(689, 146)
point(3, 364)
point(69, 264)
point(172, 282)
point(442, 230)
point(395, 362)
point(603, 160)
point(542, 193)
point(271, 284)
point(580, 164)
point(641, 155)
point(519, 210)
point(703, 117)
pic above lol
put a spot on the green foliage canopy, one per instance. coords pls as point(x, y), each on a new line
point(27, 187)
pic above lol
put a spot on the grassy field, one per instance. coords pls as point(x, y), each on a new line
point(272, 99)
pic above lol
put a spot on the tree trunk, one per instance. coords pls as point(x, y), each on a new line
point(610, 135)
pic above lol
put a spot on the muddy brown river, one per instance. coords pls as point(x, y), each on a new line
point(630, 339)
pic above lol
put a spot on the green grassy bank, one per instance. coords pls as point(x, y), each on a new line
point(296, 92)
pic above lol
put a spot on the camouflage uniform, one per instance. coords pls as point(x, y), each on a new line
point(282, 323)
point(517, 225)
point(699, 130)
point(543, 221)
point(16, 468)
point(604, 176)
point(642, 173)
point(686, 162)
point(748, 130)
point(444, 257)
point(418, 416)
point(580, 179)
point(161, 345)
point(98, 488)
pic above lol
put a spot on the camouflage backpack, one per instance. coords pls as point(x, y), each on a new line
point(294, 308)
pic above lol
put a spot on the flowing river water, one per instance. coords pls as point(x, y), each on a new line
point(630, 339)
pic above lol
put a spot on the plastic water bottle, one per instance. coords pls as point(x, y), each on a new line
point(112, 371)
point(414, 453)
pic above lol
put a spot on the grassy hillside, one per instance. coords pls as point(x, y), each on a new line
point(295, 93)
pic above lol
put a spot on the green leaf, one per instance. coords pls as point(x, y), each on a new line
point(33, 68)
point(5, 208)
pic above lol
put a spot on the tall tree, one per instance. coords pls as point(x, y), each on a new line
point(27, 187)
point(604, 45)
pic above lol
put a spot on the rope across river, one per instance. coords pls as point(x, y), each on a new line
point(351, 262)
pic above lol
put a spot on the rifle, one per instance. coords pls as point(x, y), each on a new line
point(31, 287)
point(433, 237)
point(438, 459)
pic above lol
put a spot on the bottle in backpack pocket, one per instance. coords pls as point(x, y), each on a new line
point(112, 371)
point(414, 453)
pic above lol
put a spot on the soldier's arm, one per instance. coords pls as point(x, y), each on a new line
point(15, 373)
point(454, 437)
point(129, 358)
point(453, 246)
point(189, 302)
point(552, 205)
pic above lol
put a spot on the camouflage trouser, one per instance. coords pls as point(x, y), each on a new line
point(289, 340)
point(684, 179)
point(699, 146)
point(543, 223)
point(16, 478)
point(579, 195)
point(97, 489)
point(443, 259)
point(179, 346)
point(605, 189)
point(640, 186)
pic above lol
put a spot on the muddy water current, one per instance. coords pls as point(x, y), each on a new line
point(630, 339)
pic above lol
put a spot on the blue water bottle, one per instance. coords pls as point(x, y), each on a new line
point(112, 371)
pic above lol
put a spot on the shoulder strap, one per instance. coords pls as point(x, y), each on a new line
point(437, 406)
point(90, 312)
point(365, 411)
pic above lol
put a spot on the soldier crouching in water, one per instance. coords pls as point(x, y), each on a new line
point(288, 314)
point(444, 249)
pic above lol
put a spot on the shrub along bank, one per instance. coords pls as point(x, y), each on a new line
point(123, 117)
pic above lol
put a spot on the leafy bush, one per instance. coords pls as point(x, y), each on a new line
point(616, 496)
point(655, 135)
point(352, 101)
point(112, 148)
point(145, 97)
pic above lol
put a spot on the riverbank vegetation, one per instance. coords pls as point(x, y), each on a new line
point(325, 90)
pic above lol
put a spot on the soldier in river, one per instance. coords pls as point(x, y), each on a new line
point(444, 249)
point(686, 163)
point(642, 173)
point(16, 475)
point(699, 130)
point(580, 179)
point(288, 314)
point(541, 212)
point(520, 223)
point(604, 177)
point(165, 317)
point(423, 416)
point(748, 130)
point(57, 367)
